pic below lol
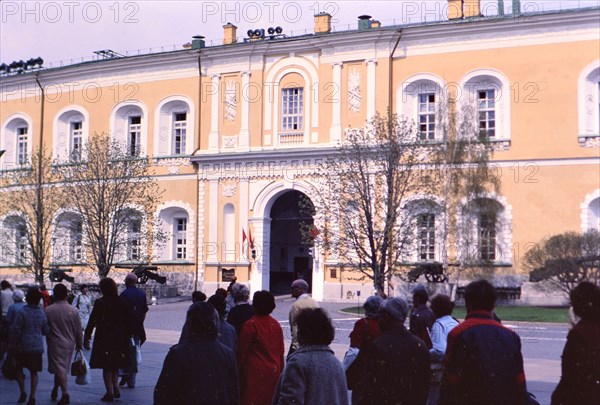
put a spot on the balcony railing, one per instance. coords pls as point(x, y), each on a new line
point(291, 138)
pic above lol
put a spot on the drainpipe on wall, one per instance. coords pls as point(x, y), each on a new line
point(198, 139)
point(391, 73)
point(40, 191)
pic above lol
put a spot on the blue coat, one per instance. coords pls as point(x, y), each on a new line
point(30, 325)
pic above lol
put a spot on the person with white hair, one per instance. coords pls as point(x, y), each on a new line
point(303, 300)
point(242, 311)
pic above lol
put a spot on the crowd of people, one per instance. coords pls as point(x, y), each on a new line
point(231, 349)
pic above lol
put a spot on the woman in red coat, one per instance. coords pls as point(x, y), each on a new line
point(260, 352)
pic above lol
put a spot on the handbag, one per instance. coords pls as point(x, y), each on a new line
point(10, 367)
point(86, 377)
point(78, 367)
point(130, 362)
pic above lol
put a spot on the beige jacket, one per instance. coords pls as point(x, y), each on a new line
point(303, 301)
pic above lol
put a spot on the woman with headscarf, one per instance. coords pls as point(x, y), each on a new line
point(27, 342)
point(199, 370)
point(110, 318)
point(260, 352)
point(365, 331)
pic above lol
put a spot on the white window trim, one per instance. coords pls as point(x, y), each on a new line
point(163, 129)
point(66, 217)
point(407, 98)
point(588, 98)
point(166, 219)
point(176, 233)
point(584, 209)
point(61, 141)
point(503, 230)
point(9, 133)
point(272, 108)
point(119, 123)
point(480, 80)
point(175, 126)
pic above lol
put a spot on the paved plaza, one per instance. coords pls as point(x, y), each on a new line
point(542, 347)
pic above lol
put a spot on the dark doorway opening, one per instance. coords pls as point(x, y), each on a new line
point(289, 257)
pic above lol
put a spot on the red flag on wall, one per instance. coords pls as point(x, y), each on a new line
point(244, 246)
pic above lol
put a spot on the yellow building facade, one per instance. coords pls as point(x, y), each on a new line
point(235, 131)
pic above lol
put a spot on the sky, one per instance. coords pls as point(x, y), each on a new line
point(70, 31)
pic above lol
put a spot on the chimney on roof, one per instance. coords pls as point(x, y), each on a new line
point(516, 7)
point(198, 42)
point(458, 9)
point(322, 23)
point(364, 22)
point(229, 34)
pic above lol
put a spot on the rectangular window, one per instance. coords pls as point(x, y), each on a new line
point(179, 133)
point(134, 244)
point(22, 145)
point(75, 242)
point(486, 109)
point(292, 109)
point(427, 117)
point(134, 133)
point(21, 244)
point(76, 140)
point(487, 236)
point(426, 236)
point(180, 238)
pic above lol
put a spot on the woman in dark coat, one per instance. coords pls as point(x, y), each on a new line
point(111, 341)
point(580, 381)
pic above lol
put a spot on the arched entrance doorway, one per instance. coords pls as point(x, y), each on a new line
point(290, 256)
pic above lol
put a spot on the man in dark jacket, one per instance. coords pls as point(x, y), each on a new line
point(484, 364)
point(138, 306)
point(395, 367)
point(200, 370)
point(421, 317)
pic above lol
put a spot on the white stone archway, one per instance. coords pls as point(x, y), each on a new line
point(261, 232)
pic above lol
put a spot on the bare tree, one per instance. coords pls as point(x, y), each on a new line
point(565, 260)
point(361, 192)
point(116, 195)
point(463, 176)
point(30, 201)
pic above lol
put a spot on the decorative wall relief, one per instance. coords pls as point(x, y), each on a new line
point(354, 96)
point(230, 101)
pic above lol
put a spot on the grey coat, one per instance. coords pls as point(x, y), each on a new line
point(312, 375)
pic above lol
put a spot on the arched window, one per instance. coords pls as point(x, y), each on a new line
point(594, 214)
point(422, 101)
point(589, 102)
point(486, 232)
point(425, 221)
point(590, 212)
point(14, 246)
point(71, 132)
point(129, 127)
point(175, 127)
point(176, 227)
point(67, 239)
point(229, 233)
point(486, 93)
point(16, 141)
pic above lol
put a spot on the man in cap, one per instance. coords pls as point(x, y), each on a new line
point(303, 300)
point(395, 367)
point(138, 306)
